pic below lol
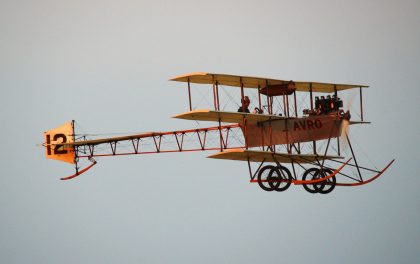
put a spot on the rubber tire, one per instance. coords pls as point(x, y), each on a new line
point(259, 180)
point(273, 177)
point(319, 185)
point(306, 186)
point(327, 187)
point(284, 176)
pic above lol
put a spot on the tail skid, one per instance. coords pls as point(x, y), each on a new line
point(80, 172)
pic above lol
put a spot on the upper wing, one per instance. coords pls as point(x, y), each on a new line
point(258, 82)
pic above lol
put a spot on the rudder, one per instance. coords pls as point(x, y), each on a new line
point(55, 143)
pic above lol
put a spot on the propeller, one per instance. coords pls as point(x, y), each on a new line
point(346, 122)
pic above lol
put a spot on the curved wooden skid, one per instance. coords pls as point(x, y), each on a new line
point(78, 173)
point(368, 181)
point(299, 182)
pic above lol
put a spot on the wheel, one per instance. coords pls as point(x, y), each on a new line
point(329, 184)
point(319, 185)
point(280, 179)
point(274, 178)
point(310, 174)
point(263, 176)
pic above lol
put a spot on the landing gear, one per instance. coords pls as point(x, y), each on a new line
point(271, 178)
point(278, 178)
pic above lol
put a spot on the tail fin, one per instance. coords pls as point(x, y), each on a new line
point(55, 143)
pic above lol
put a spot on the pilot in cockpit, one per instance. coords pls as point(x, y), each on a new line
point(245, 104)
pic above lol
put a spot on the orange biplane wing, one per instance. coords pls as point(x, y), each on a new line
point(227, 117)
point(258, 82)
point(268, 156)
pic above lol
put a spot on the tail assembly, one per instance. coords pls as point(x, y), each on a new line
point(59, 145)
point(55, 141)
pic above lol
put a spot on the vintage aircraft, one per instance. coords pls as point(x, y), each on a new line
point(274, 133)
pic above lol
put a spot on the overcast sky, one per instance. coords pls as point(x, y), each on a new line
point(106, 65)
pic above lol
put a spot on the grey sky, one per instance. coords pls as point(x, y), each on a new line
point(106, 65)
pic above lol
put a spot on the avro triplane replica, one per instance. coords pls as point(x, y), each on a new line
point(282, 141)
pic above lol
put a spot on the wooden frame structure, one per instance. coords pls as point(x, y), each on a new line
point(262, 135)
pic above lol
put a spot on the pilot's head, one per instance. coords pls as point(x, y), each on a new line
point(246, 101)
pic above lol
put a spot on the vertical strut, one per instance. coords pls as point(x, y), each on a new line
point(294, 171)
point(214, 94)
point(288, 146)
point(76, 157)
point(312, 108)
point(245, 132)
point(221, 136)
point(227, 137)
point(296, 115)
point(361, 104)
point(205, 137)
point(284, 105)
point(217, 96)
point(271, 104)
point(189, 93)
point(268, 97)
point(182, 139)
point(338, 138)
point(310, 95)
point(338, 146)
